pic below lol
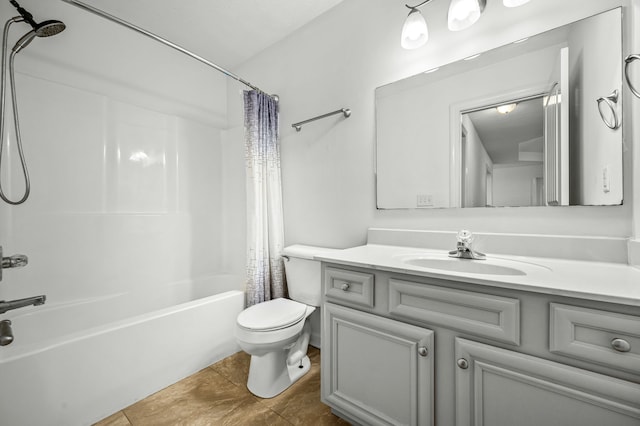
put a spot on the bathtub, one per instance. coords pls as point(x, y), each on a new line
point(76, 363)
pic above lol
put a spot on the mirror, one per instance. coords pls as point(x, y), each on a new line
point(533, 123)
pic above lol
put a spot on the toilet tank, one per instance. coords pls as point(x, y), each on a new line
point(303, 273)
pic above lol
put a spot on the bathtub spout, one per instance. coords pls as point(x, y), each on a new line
point(21, 303)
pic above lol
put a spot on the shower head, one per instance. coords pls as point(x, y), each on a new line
point(49, 28)
point(42, 29)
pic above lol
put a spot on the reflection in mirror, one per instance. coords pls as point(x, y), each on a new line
point(441, 141)
point(502, 153)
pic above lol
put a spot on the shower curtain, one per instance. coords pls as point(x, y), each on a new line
point(265, 229)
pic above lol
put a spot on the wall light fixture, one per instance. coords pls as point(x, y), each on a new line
point(414, 32)
point(462, 14)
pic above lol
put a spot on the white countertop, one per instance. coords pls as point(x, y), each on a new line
point(602, 281)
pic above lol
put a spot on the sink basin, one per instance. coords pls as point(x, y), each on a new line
point(490, 266)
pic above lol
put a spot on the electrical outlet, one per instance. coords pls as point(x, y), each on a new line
point(606, 182)
point(424, 200)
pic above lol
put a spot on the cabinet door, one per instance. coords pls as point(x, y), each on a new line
point(375, 370)
point(497, 387)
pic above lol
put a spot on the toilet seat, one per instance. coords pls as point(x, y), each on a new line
point(272, 315)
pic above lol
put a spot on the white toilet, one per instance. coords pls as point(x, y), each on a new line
point(276, 333)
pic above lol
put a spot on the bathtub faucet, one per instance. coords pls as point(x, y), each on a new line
point(21, 303)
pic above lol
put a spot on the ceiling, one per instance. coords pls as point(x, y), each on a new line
point(503, 135)
point(225, 32)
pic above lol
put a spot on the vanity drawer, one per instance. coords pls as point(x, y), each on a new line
point(485, 315)
point(603, 337)
point(349, 286)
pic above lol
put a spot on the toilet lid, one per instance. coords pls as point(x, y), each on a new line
point(272, 315)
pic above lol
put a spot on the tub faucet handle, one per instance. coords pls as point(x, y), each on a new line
point(15, 261)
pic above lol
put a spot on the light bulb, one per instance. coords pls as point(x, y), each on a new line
point(464, 13)
point(414, 31)
point(506, 109)
point(514, 3)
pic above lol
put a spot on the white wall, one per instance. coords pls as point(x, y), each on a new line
point(124, 146)
point(596, 68)
point(477, 163)
point(338, 61)
point(513, 184)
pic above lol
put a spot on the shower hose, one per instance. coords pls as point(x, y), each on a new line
point(16, 122)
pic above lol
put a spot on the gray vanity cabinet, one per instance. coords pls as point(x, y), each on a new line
point(497, 387)
point(381, 370)
point(400, 349)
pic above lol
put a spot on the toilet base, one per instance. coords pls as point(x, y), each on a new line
point(270, 375)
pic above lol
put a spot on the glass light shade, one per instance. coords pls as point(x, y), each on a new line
point(464, 13)
point(514, 3)
point(414, 31)
point(506, 109)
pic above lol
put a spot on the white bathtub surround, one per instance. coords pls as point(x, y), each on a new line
point(74, 364)
point(265, 227)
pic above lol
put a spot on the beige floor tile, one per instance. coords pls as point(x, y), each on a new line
point(234, 368)
point(117, 419)
point(201, 399)
point(218, 395)
point(253, 413)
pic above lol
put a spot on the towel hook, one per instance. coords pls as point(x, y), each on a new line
point(611, 101)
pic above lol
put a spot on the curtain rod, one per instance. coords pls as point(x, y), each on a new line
point(166, 42)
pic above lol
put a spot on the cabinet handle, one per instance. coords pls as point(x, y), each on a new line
point(463, 363)
point(620, 345)
point(345, 287)
point(423, 351)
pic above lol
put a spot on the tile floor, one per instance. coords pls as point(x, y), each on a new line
point(218, 395)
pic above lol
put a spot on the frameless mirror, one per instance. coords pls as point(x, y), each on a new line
point(533, 123)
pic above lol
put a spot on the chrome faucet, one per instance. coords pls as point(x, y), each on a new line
point(464, 248)
point(21, 303)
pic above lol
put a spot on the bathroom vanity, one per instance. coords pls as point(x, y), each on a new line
point(410, 336)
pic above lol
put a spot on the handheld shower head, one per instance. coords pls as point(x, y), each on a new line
point(42, 29)
point(24, 41)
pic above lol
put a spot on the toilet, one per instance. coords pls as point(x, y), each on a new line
point(276, 332)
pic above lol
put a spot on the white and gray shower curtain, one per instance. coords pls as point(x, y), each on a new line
point(265, 229)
